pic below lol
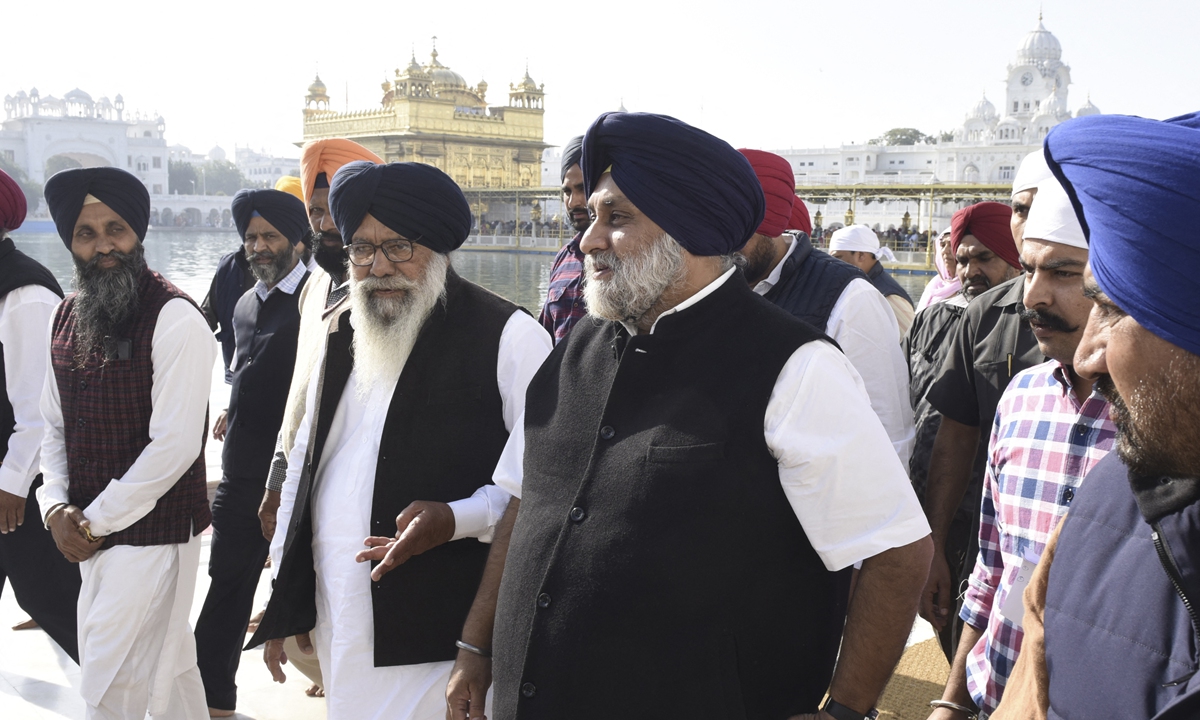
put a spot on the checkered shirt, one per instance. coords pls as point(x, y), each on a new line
point(564, 298)
point(1043, 444)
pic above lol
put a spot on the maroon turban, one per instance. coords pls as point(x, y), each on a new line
point(779, 188)
point(988, 221)
point(12, 203)
point(800, 219)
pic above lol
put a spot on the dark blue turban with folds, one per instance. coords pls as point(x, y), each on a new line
point(572, 153)
point(1135, 185)
point(418, 201)
point(283, 210)
point(122, 192)
point(693, 185)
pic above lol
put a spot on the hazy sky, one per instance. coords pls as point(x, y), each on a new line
point(758, 73)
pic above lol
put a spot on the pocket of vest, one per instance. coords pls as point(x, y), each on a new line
point(686, 453)
point(446, 396)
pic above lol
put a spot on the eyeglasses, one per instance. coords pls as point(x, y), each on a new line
point(363, 253)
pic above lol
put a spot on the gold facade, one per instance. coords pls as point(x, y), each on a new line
point(429, 114)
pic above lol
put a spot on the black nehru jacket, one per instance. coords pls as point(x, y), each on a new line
point(656, 568)
point(267, 332)
point(811, 283)
point(16, 271)
point(442, 438)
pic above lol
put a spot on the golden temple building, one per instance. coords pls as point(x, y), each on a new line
point(428, 113)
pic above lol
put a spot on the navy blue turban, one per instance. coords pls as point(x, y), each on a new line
point(119, 190)
point(283, 210)
point(1135, 185)
point(418, 201)
point(571, 155)
point(694, 186)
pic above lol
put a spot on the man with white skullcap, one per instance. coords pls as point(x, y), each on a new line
point(1051, 428)
point(859, 246)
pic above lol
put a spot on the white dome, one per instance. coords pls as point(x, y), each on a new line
point(1087, 109)
point(1054, 105)
point(984, 109)
point(1039, 45)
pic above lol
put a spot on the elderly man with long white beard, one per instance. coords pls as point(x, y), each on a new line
point(419, 385)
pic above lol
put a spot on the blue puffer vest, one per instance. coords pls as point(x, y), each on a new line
point(811, 283)
point(1121, 625)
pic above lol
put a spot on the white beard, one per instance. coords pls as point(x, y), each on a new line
point(385, 329)
point(637, 282)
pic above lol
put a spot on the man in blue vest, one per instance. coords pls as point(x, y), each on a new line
point(859, 246)
point(1111, 614)
point(266, 324)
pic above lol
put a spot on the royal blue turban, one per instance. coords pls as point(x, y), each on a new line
point(418, 201)
point(572, 152)
point(694, 186)
point(119, 190)
point(1135, 185)
point(283, 210)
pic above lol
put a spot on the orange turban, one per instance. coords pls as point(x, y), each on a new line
point(325, 157)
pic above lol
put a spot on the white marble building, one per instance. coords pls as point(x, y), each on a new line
point(264, 169)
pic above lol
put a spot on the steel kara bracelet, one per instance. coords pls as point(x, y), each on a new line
point(472, 649)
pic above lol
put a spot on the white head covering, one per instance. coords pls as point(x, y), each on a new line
point(859, 238)
point(1032, 173)
point(1052, 217)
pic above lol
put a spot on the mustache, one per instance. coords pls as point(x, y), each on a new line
point(371, 283)
point(266, 254)
point(1054, 322)
point(323, 236)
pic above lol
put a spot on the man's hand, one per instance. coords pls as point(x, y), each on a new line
point(938, 595)
point(420, 527)
point(12, 512)
point(66, 526)
point(275, 657)
point(268, 510)
point(469, 683)
point(220, 426)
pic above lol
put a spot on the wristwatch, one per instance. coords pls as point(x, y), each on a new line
point(840, 712)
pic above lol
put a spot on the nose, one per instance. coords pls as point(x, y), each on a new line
point(1036, 292)
point(594, 238)
point(260, 245)
point(327, 224)
point(1091, 356)
point(381, 266)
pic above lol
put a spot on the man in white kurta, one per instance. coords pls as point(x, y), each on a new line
point(344, 487)
point(137, 540)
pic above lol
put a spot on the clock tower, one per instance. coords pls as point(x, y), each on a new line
point(1038, 79)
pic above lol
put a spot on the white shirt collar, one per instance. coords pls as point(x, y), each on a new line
point(764, 286)
point(288, 284)
point(703, 293)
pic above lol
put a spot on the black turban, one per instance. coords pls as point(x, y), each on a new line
point(418, 201)
point(119, 190)
point(694, 186)
point(571, 155)
point(283, 210)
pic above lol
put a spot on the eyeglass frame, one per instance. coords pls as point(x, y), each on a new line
point(380, 246)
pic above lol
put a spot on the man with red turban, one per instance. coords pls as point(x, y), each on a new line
point(47, 586)
point(829, 294)
point(989, 347)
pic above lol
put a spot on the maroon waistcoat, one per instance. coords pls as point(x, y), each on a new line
point(106, 420)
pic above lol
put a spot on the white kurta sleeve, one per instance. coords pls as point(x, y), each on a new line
point(524, 345)
point(838, 471)
point(183, 352)
point(297, 461)
point(25, 316)
point(864, 326)
point(54, 446)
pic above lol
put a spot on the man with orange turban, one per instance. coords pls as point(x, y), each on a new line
point(829, 294)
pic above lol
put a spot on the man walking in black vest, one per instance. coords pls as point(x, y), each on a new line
point(266, 324)
point(701, 471)
point(47, 586)
point(125, 404)
point(420, 383)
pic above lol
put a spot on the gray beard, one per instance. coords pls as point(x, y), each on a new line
point(104, 299)
point(637, 283)
point(385, 329)
point(273, 271)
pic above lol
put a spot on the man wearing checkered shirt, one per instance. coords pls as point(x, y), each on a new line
point(1051, 427)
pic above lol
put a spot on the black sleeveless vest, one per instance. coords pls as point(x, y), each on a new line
point(442, 438)
point(267, 333)
point(16, 271)
point(1121, 631)
point(656, 568)
point(811, 283)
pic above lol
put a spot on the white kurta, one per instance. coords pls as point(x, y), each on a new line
point(25, 314)
point(341, 515)
point(136, 649)
point(863, 324)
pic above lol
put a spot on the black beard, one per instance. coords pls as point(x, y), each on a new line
point(331, 260)
point(1148, 452)
point(104, 299)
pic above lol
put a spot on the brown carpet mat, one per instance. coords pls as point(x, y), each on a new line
point(919, 678)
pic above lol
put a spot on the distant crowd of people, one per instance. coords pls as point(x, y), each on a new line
point(718, 476)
